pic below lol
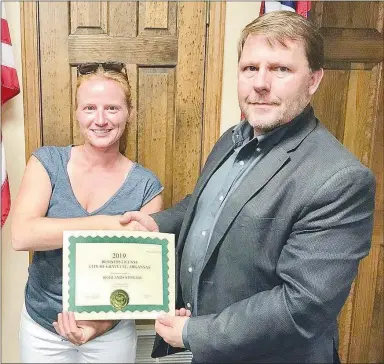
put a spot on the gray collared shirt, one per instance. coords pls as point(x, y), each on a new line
point(247, 152)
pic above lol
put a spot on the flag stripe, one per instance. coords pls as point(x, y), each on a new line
point(5, 193)
point(5, 36)
point(9, 83)
point(303, 8)
point(273, 6)
point(300, 7)
point(7, 55)
point(5, 201)
point(291, 4)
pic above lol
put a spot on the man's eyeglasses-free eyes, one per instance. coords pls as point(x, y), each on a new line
point(87, 68)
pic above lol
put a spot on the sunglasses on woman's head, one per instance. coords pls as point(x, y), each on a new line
point(87, 68)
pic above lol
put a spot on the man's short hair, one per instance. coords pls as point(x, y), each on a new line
point(282, 25)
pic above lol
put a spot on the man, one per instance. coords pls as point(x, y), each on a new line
point(270, 240)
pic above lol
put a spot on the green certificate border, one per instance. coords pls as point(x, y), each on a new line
point(123, 240)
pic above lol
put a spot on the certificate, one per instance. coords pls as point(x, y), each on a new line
point(113, 275)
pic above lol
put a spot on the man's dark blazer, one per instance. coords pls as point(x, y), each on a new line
point(283, 253)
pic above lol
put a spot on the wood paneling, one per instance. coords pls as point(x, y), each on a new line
point(352, 45)
point(333, 92)
point(359, 118)
point(88, 17)
point(122, 26)
point(345, 324)
point(55, 73)
point(376, 346)
point(377, 154)
point(213, 77)
point(154, 50)
point(360, 14)
point(156, 14)
point(158, 18)
point(189, 100)
point(350, 103)
point(362, 317)
point(156, 113)
point(31, 79)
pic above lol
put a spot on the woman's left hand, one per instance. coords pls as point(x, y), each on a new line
point(80, 332)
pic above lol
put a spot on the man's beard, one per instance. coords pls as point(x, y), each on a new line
point(263, 129)
point(262, 123)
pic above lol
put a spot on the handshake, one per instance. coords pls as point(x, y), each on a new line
point(138, 221)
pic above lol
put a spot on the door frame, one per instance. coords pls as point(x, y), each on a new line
point(212, 79)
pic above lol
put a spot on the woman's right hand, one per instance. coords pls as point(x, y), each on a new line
point(80, 332)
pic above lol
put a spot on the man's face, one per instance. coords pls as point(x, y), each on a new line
point(275, 82)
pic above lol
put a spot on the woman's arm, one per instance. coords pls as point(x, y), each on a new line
point(31, 230)
point(155, 205)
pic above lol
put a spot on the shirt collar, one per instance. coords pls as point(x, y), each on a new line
point(243, 133)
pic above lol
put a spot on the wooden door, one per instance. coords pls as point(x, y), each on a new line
point(350, 103)
point(168, 48)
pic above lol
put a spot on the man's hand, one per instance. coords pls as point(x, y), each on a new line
point(137, 220)
point(170, 328)
point(80, 332)
point(183, 312)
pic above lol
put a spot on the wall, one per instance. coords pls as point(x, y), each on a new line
point(14, 265)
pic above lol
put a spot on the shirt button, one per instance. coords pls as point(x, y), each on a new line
point(203, 233)
point(241, 163)
point(188, 305)
point(258, 149)
point(190, 269)
point(221, 198)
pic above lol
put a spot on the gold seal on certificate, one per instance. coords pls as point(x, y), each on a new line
point(113, 275)
point(119, 299)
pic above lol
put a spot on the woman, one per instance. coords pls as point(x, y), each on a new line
point(79, 187)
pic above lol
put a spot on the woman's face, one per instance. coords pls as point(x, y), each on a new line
point(102, 111)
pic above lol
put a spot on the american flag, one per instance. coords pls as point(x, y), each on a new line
point(300, 7)
point(9, 88)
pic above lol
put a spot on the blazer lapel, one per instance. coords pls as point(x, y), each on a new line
point(252, 183)
point(224, 148)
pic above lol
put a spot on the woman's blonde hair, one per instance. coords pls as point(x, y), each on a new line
point(282, 25)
